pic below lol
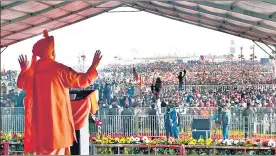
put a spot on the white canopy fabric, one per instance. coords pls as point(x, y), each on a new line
point(254, 20)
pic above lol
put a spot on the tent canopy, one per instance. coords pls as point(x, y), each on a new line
point(254, 20)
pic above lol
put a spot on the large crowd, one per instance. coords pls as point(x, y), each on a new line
point(206, 89)
point(117, 84)
point(11, 96)
point(239, 79)
point(219, 73)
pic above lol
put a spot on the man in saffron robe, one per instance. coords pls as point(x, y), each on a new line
point(52, 125)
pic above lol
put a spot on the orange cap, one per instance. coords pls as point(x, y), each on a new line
point(44, 47)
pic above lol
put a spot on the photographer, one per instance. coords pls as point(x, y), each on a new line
point(180, 79)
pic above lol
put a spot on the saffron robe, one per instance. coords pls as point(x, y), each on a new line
point(82, 108)
point(52, 120)
point(24, 82)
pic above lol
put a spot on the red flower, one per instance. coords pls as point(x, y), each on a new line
point(257, 140)
point(265, 143)
point(248, 142)
point(91, 139)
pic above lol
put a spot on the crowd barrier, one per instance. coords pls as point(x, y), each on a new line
point(187, 110)
point(12, 110)
point(214, 87)
point(145, 125)
point(17, 111)
point(15, 122)
point(256, 126)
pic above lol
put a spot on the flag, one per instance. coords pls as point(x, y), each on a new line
point(142, 85)
point(135, 75)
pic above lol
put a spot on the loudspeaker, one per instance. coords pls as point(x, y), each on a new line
point(201, 134)
point(201, 124)
point(201, 128)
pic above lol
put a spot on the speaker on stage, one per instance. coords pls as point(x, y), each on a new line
point(201, 128)
point(83, 103)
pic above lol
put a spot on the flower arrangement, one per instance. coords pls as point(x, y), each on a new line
point(146, 145)
point(107, 139)
point(6, 137)
point(194, 147)
point(188, 140)
point(11, 137)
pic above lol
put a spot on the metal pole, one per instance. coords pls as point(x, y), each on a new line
point(140, 91)
point(241, 57)
point(241, 62)
point(264, 50)
point(4, 49)
point(253, 57)
point(268, 46)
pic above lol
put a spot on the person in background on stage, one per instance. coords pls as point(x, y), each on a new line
point(127, 119)
point(153, 120)
point(168, 123)
point(113, 111)
point(175, 122)
point(247, 117)
point(226, 116)
point(21, 96)
point(103, 111)
point(52, 127)
point(217, 117)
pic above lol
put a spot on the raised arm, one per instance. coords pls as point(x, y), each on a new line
point(215, 117)
point(22, 79)
point(26, 72)
point(73, 79)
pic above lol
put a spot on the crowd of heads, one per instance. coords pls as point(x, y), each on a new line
point(118, 87)
point(232, 97)
point(215, 73)
point(240, 80)
point(10, 95)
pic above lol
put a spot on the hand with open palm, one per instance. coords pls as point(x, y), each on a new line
point(23, 61)
point(97, 58)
